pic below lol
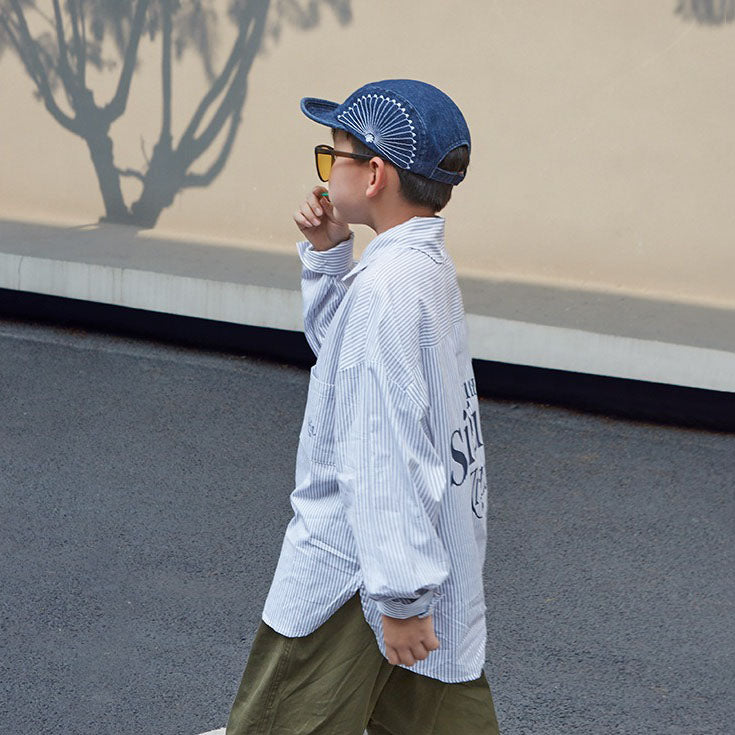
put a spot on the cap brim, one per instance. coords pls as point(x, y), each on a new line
point(321, 111)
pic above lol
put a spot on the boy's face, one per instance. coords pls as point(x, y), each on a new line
point(348, 182)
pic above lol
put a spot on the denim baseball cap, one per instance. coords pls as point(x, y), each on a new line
point(411, 123)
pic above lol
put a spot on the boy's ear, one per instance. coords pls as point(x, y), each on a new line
point(379, 176)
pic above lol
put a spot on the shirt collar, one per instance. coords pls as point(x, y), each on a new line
point(422, 233)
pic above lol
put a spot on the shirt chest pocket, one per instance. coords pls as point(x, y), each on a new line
point(317, 429)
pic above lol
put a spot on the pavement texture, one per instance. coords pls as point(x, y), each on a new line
point(144, 492)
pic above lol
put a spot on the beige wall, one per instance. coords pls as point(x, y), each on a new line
point(602, 132)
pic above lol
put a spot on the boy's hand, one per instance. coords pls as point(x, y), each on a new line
point(408, 640)
point(317, 221)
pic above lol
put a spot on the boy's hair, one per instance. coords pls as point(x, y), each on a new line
point(418, 189)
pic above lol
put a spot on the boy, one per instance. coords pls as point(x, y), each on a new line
point(376, 613)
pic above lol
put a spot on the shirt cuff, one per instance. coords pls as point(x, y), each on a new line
point(406, 608)
point(333, 262)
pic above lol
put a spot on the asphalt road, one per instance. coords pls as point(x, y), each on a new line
point(143, 498)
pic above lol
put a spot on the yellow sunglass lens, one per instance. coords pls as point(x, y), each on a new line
point(324, 165)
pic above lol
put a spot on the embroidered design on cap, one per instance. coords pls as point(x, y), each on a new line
point(385, 124)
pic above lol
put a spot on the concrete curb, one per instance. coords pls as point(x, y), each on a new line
point(608, 352)
point(491, 338)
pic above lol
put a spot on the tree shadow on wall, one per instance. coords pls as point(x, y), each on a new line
point(707, 12)
point(59, 49)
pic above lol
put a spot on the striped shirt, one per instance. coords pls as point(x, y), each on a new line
point(390, 481)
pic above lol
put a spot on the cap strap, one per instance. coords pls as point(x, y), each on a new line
point(447, 177)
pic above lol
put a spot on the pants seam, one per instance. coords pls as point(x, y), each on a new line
point(271, 700)
point(436, 713)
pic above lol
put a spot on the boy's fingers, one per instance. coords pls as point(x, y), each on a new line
point(314, 204)
point(321, 195)
point(301, 221)
point(309, 214)
point(406, 657)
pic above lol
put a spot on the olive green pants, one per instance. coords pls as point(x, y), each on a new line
point(335, 681)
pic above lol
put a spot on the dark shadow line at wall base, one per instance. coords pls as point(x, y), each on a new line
point(616, 397)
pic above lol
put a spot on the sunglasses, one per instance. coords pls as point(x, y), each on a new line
point(325, 155)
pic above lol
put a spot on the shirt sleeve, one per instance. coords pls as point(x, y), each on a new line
point(322, 289)
point(391, 482)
